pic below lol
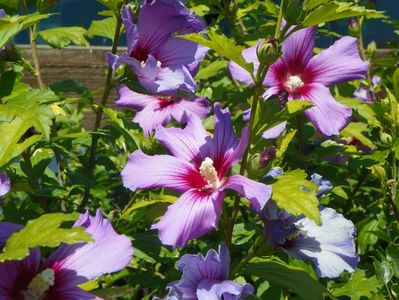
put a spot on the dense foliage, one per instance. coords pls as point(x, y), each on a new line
point(241, 161)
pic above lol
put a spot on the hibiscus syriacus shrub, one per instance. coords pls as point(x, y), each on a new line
point(239, 149)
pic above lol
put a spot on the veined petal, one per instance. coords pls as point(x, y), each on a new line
point(70, 293)
point(191, 143)
point(5, 184)
point(182, 109)
point(148, 172)
point(298, 49)
point(327, 115)
point(159, 19)
point(132, 34)
point(108, 253)
point(257, 193)
point(339, 63)
point(224, 136)
point(196, 268)
point(330, 247)
point(191, 216)
point(15, 276)
point(130, 99)
point(227, 289)
point(239, 73)
point(151, 117)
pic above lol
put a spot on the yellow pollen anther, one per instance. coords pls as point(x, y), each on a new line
point(40, 284)
point(294, 82)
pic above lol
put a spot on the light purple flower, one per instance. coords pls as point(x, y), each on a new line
point(5, 184)
point(199, 170)
point(158, 110)
point(161, 62)
point(330, 247)
point(365, 93)
point(67, 267)
point(207, 278)
point(307, 77)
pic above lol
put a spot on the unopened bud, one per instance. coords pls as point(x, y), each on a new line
point(267, 155)
point(371, 49)
point(268, 51)
point(353, 27)
point(294, 11)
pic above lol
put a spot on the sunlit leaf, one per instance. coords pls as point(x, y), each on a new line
point(61, 37)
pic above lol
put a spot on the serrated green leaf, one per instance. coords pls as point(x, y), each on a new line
point(113, 5)
point(61, 37)
point(44, 231)
point(359, 286)
point(292, 278)
point(296, 106)
point(15, 120)
point(310, 4)
point(104, 28)
point(211, 70)
point(11, 26)
point(222, 45)
point(28, 96)
point(336, 10)
point(283, 143)
point(365, 110)
point(296, 195)
point(147, 203)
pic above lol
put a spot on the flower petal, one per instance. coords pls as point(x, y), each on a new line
point(130, 99)
point(239, 73)
point(327, 115)
point(191, 143)
point(6, 229)
point(148, 172)
point(339, 63)
point(298, 49)
point(132, 34)
point(330, 247)
point(182, 109)
point(159, 19)
point(15, 276)
point(257, 193)
point(110, 252)
point(191, 216)
point(151, 117)
point(197, 268)
point(227, 289)
point(275, 131)
point(69, 293)
point(5, 184)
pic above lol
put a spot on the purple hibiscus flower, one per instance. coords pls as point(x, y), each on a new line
point(304, 76)
point(198, 169)
point(67, 267)
point(330, 247)
point(207, 278)
point(5, 184)
point(365, 93)
point(158, 110)
point(161, 62)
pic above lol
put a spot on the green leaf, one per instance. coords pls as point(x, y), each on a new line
point(104, 28)
point(61, 37)
point(384, 271)
point(335, 10)
point(355, 130)
point(113, 5)
point(25, 96)
point(211, 70)
point(283, 143)
point(15, 120)
point(12, 5)
point(44, 231)
point(367, 236)
point(296, 195)
point(281, 274)
point(222, 45)
point(365, 110)
point(147, 203)
point(359, 286)
point(393, 258)
point(11, 26)
point(310, 4)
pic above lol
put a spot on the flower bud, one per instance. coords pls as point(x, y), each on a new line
point(294, 11)
point(371, 49)
point(268, 51)
point(353, 27)
point(267, 155)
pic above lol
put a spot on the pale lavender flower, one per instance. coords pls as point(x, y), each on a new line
point(5, 184)
point(160, 110)
point(199, 170)
point(365, 93)
point(330, 247)
point(307, 77)
point(67, 267)
point(206, 278)
point(162, 63)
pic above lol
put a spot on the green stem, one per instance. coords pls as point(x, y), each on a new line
point(301, 141)
point(242, 264)
point(99, 114)
point(279, 20)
